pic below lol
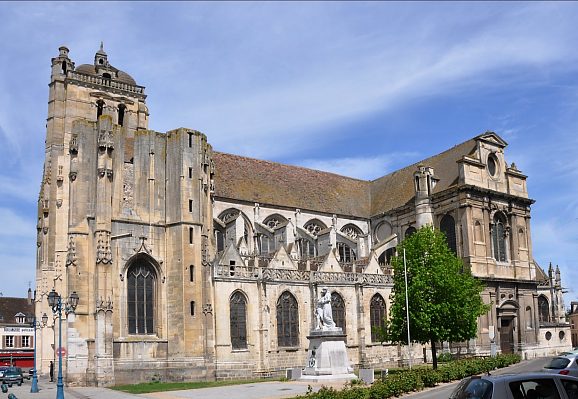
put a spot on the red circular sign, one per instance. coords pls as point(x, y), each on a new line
point(61, 350)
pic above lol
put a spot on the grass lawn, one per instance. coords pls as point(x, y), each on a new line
point(175, 386)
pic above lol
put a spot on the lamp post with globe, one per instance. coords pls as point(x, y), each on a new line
point(55, 302)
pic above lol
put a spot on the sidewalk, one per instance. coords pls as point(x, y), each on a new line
point(259, 390)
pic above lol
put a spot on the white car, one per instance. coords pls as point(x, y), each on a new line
point(517, 386)
point(565, 365)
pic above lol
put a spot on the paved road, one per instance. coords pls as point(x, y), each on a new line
point(443, 391)
point(261, 390)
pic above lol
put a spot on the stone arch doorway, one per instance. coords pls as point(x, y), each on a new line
point(507, 319)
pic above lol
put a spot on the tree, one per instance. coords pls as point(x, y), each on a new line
point(444, 298)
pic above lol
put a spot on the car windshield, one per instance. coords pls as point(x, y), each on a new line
point(473, 388)
point(558, 363)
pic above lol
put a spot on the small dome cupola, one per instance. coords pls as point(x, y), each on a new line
point(100, 58)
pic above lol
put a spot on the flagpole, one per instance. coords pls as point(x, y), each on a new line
point(407, 308)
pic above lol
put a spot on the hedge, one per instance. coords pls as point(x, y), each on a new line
point(416, 379)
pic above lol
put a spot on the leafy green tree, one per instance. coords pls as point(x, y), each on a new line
point(444, 298)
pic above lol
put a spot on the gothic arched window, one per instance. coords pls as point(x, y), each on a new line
point(346, 254)
point(141, 279)
point(287, 320)
point(543, 309)
point(238, 319)
point(338, 310)
point(448, 226)
point(499, 238)
point(376, 315)
point(529, 317)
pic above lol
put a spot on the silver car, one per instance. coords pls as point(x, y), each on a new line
point(517, 386)
point(565, 365)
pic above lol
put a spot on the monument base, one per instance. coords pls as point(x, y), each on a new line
point(327, 356)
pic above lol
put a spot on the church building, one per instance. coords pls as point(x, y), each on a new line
point(193, 264)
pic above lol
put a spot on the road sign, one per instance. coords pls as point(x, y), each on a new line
point(61, 350)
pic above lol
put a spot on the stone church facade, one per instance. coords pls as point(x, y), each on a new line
point(196, 264)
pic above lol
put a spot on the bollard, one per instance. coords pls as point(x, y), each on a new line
point(4, 388)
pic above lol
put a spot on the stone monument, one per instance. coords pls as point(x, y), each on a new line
point(327, 356)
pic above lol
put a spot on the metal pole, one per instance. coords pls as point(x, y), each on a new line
point(34, 386)
point(59, 384)
point(407, 307)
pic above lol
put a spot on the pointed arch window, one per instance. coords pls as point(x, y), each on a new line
point(543, 309)
point(287, 321)
point(238, 320)
point(448, 227)
point(376, 315)
point(499, 238)
point(141, 281)
point(338, 310)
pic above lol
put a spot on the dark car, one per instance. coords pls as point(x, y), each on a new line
point(517, 386)
point(13, 375)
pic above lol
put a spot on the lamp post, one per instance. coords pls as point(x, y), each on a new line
point(36, 325)
point(55, 302)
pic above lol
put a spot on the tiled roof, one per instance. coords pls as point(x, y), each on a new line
point(9, 307)
point(265, 182)
point(272, 183)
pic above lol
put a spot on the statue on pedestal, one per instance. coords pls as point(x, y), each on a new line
point(324, 312)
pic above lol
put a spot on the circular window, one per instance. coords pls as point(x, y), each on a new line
point(548, 336)
point(561, 335)
point(492, 165)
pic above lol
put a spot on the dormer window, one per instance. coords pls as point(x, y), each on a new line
point(20, 318)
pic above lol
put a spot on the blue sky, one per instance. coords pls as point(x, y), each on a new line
point(360, 89)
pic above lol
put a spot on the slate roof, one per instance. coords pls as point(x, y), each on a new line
point(266, 182)
point(9, 307)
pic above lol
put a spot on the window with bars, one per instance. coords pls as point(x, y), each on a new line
point(287, 321)
point(307, 248)
point(238, 320)
point(346, 254)
point(141, 279)
point(499, 238)
point(448, 227)
point(338, 310)
point(376, 316)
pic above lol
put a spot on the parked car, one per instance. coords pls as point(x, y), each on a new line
point(2, 370)
point(13, 375)
point(517, 386)
point(29, 375)
point(565, 365)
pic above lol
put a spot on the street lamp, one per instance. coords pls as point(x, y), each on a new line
point(55, 302)
point(37, 325)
